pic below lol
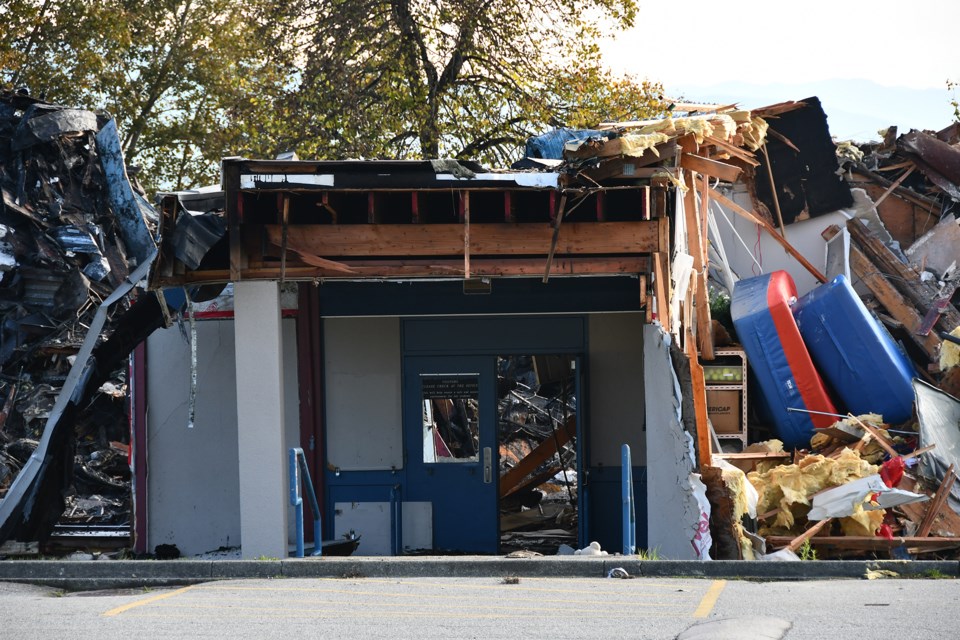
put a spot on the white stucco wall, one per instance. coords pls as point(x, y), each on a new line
point(673, 515)
point(616, 400)
point(362, 382)
point(193, 480)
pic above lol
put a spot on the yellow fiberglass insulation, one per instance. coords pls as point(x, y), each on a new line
point(718, 125)
point(664, 126)
point(754, 133)
point(950, 353)
point(767, 446)
point(736, 482)
point(790, 488)
point(699, 127)
point(634, 144)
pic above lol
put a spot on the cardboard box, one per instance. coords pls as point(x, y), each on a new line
point(724, 410)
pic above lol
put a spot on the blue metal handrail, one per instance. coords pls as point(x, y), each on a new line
point(629, 514)
point(298, 466)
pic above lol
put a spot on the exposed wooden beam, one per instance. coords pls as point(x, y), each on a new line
point(733, 150)
point(399, 240)
point(378, 269)
point(231, 186)
point(773, 191)
point(893, 187)
point(555, 238)
point(699, 386)
point(940, 499)
point(465, 199)
point(904, 277)
point(698, 249)
point(661, 284)
point(710, 167)
point(529, 463)
point(870, 543)
point(285, 224)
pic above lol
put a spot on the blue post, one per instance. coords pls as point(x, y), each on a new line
point(317, 533)
point(629, 515)
point(295, 498)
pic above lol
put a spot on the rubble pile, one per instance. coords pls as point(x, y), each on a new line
point(538, 465)
point(882, 328)
point(62, 254)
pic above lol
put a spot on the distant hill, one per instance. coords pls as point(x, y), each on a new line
point(855, 109)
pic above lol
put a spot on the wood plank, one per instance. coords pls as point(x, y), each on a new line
point(284, 223)
point(797, 542)
point(947, 522)
point(904, 277)
point(697, 248)
point(733, 206)
point(936, 505)
point(710, 167)
point(231, 188)
point(529, 463)
point(465, 199)
point(888, 296)
point(661, 277)
point(876, 435)
point(733, 150)
point(699, 405)
point(627, 265)
point(363, 240)
point(663, 235)
point(870, 543)
point(755, 455)
point(631, 166)
point(773, 190)
point(555, 238)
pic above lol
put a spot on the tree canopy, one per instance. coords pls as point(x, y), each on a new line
point(191, 81)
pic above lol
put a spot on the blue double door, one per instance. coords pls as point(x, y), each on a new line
point(451, 421)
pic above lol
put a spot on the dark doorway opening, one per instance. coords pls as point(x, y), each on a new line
point(538, 445)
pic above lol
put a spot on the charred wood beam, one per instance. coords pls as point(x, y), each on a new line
point(903, 276)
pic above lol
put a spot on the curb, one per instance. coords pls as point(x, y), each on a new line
point(118, 574)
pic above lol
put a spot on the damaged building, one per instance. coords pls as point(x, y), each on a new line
point(76, 241)
point(765, 319)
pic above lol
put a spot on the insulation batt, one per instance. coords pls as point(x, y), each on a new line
point(790, 488)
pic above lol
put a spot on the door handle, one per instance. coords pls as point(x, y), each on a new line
point(487, 465)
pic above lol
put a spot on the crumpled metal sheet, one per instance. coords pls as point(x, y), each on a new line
point(69, 191)
point(35, 129)
point(194, 235)
point(939, 417)
point(939, 161)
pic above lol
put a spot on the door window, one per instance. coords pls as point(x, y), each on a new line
point(451, 417)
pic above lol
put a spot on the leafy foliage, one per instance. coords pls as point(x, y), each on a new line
point(192, 81)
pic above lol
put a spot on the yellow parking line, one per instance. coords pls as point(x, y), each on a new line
point(150, 600)
point(710, 599)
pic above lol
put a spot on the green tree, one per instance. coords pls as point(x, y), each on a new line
point(462, 78)
point(177, 74)
point(192, 81)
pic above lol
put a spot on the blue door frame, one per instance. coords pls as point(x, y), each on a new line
point(470, 344)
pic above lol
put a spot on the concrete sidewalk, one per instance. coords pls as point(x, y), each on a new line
point(114, 574)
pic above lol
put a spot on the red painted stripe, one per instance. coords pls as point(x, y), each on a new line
point(779, 294)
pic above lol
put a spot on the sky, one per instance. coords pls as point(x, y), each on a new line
point(872, 64)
